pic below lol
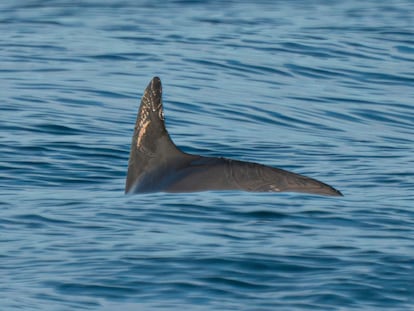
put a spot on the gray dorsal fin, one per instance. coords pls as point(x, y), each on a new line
point(156, 164)
point(151, 145)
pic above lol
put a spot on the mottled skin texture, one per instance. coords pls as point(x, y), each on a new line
point(156, 164)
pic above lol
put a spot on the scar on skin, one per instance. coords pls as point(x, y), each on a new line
point(142, 132)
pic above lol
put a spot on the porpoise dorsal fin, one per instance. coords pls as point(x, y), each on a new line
point(151, 144)
point(156, 164)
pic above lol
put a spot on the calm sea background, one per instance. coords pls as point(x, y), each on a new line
point(323, 88)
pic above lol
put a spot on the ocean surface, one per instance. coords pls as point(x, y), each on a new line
point(322, 88)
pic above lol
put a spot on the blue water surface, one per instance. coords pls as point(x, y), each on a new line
point(323, 88)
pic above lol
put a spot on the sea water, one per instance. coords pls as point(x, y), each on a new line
point(322, 88)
